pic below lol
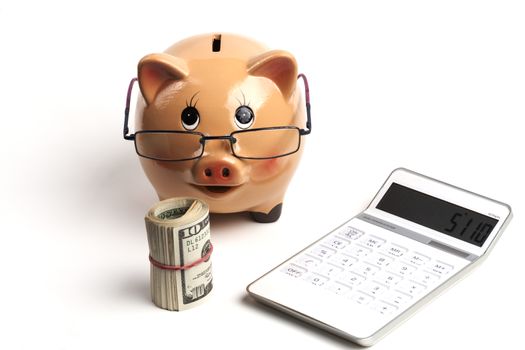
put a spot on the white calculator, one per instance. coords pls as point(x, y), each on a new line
point(417, 237)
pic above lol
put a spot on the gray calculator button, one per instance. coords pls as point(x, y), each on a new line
point(417, 259)
point(330, 270)
point(294, 270)
point(402, 269)
point(384, 308)
point(397, 298)
point(336, 243)
point(316, 279)
point(426, 278)
point(308, 261)
point(322, 252)
point(441, 268)
point(373, 288)
point(380, 260)
point(372, 242)
point(358, 251)
point(338, 288)
point(362, 298)
point(365, 269)
point(351, 232)
point(395, 250)
point(387, 278)
point(410, 287)
point(351, 279)
point(343, 260)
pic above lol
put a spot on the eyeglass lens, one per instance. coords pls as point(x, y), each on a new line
point(266, 143)
point(168, 145)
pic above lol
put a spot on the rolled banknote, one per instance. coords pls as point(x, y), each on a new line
point(179, 252)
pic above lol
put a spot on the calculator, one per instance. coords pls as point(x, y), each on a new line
point(417, 237)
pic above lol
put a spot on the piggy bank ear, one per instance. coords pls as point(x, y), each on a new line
point(157, 70)
point(279, 66)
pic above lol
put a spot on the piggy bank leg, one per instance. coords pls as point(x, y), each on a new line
point(272, 216)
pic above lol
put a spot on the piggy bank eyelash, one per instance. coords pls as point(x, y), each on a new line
point(244, 117)
point(243, 103)
point(190, 103)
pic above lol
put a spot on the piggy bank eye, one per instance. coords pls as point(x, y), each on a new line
point(244, 117)
point(190, 118)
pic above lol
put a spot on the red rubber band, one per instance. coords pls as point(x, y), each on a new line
point(183, 267)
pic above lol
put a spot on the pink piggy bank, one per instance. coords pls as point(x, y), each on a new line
point(222, 119)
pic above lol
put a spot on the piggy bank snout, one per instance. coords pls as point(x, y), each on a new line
point(217, 172)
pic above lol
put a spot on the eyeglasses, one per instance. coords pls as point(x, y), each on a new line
point(258, 143)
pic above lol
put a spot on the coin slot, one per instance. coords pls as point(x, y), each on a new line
point(216, 44)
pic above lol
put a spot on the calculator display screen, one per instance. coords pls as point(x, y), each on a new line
point(437, 214)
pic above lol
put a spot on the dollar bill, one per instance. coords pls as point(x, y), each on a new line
point(194, 244)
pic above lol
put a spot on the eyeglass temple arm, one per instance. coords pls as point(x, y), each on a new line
point(126, 111)
point(307, 99)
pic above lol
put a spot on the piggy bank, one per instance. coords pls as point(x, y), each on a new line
point(223, 119)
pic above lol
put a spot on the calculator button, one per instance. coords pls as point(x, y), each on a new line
point(294, 270)
point(351, 279)
point(373, 288)
point(402, 269)
point(384, 308)
point(426, 278)
point(410, 287)
point(395, 250)
point(417, 259)
point(397, 298)
point(336, 242)
point(330, 270)
point(358, 251)
point(365, 269)
point(441, 268)
point(338, 288)
point(322, 252)
point(343, 260)
point(372, 242)
point(351, 233)
point(362, 298)
point(388, 278)
point(308, 261)
point(317, 280)
point(380, 260)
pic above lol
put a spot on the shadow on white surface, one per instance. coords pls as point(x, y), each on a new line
point(119, 189)
point(221, 222)
point(135, 288)
point(115, 189)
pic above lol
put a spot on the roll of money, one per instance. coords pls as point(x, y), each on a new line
point(179, 252)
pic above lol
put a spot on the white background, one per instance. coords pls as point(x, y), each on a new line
point(437, 87)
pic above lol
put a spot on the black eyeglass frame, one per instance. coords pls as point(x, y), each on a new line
point(231, 137)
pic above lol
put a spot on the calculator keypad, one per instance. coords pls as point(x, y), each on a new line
point(370, 270)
